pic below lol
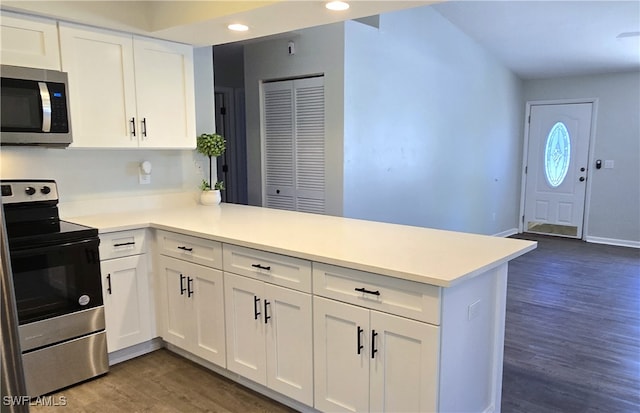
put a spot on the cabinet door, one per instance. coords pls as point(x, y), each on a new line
point(101, 86)
point(289, 342)
point(176, 328)
point(341, 358)
point(404, 368)
point(165, 93)
point(29, 41)
point(204, 285)
point(244, 308)
point(126, 301)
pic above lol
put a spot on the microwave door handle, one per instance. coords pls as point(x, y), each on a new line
point(46, 106)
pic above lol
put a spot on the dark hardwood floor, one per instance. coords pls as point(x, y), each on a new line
point(572, 344)
point(572, 340)
point(160, 382)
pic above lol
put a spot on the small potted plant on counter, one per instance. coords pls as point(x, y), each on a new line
point(211, 145)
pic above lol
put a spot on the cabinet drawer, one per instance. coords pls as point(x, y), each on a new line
point(266, 266)
point(122, 244)
point(193, 249)
point(392, 295)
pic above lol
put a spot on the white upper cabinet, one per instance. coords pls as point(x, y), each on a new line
point(101, 87)
point(128, 92)
point(29, 41)
point(165, 93)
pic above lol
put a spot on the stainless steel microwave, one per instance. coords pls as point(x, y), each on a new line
point(34, 107)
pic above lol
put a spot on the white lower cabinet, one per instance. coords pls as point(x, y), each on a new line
point(125, 288)
point(193, 308)
point(269, 335)
point(366, 360)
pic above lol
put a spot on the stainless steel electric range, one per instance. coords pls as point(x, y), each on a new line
point(57, 284)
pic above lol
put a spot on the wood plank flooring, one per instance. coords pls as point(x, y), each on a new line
point(572, 344)
point(572, 339)
point(161, 382)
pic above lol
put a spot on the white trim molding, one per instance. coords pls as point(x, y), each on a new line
point(613, 241)
point(507, 233)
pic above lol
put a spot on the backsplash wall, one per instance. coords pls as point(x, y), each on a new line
point(85, 174)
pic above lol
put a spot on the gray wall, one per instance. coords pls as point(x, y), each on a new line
point(614, 204)
point(318, 50)
point(433, 127)
point(230, 73)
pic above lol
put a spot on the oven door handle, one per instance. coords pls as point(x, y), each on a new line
point(48, 248)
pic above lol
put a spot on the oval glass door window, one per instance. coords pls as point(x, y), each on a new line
point(557, 154)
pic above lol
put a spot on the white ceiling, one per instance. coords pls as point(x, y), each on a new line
point(204, 23)
point(538, 39)
point(535, 39)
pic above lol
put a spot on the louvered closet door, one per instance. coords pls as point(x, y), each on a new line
point(278, 136)
point(309, 144)
point(294, 144)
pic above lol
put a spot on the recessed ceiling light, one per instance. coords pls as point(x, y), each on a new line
point(237, 27)
point(337, 5)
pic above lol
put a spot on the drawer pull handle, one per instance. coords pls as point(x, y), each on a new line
point(182, 289)
point(261, 267)
point(364, 290)
point(122, 244)
point(185, 248)
point(189, 286)
point(360, 346)
point(374, 350)
point(256, 306)
point(109, 283)
point(266, 316)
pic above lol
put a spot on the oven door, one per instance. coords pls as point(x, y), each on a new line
point(54, 280)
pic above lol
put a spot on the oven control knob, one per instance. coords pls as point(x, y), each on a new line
point(30, 190)
point(45, 190)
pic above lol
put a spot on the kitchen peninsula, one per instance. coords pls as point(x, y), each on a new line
point(322, 312)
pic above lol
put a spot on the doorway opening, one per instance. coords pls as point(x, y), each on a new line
point(555, 173)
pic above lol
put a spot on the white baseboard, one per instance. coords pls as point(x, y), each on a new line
point(134, 351)
point(507, 233)
point(613, 241)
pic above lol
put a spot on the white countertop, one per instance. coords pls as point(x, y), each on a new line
point(430, 256)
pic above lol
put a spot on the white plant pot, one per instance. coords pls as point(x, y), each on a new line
point(211, 197)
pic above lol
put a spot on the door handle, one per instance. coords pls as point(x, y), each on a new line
point(109, 283)
point(144, 127)
point(182, 289)
point(189, 286)
point(582, 178)
point(360, 346)
point(266, 314)
point(132, 121)
point(374, 350)
point(262, 267)
point(256, 306)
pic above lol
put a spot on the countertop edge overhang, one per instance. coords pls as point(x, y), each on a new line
point(423, 255)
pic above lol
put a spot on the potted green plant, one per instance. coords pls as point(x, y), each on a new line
point(211, 145)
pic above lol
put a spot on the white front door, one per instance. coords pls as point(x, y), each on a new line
point(556, 168)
